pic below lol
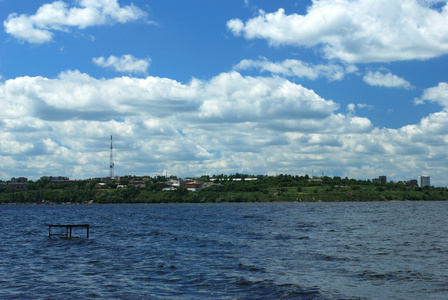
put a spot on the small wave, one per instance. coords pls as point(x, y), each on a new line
point(159, 232)
point(302, 226)
point(253, 217)
point(250, 268)
point(280, 236)
point(268, 289)
point(396, 276)
point(329, 258)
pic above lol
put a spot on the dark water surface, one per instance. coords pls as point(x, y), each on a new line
point(372, 250)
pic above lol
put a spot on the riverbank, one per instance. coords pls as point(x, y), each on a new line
point(282, 188)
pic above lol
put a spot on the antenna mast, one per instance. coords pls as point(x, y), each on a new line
point(111, 169)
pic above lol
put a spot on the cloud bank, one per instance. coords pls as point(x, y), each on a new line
point(226, 124)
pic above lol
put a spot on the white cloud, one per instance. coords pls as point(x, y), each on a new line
point(58, 16)
point(292, 67)
point(234, 98)
point(356, 31)
point(363, 105)
point(387, 80)
point(438, 94)
point(351, 108)
point(125, 63)
point(23, 28)
point(9, 146)
point(228, 97)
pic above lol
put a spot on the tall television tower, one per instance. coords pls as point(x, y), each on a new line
point(111, 169)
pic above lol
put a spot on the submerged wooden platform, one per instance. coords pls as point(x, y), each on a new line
point(68, 227)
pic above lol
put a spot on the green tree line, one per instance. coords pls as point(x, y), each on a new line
point(222, 188)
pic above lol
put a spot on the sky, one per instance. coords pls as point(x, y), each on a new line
point(349, 88)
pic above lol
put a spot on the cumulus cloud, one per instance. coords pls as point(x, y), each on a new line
point(228, 97)
point(234, 98)
point(356, 31)
point(59, 16)
point(297, 68)
point(125, 63)
point(386, 80)
point(437, 94)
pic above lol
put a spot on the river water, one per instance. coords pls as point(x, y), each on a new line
point(367, 250)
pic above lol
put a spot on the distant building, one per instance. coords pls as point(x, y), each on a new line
point(138, 183)
point(19, 180)
point(380, 179)
point(193, 186)
point(176, 182)
point(411, 183)
point(169, 188)
point(424, 180)
point(54, 178)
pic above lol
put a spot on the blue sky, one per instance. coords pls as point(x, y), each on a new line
point(345, 88)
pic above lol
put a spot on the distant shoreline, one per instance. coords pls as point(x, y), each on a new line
point(220, 189)
point(155, 203)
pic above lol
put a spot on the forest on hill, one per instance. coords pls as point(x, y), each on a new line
point(220, 188)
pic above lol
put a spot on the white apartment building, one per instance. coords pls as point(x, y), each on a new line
point(423, 180)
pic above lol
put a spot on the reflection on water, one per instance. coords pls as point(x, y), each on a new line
point(226, 251)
